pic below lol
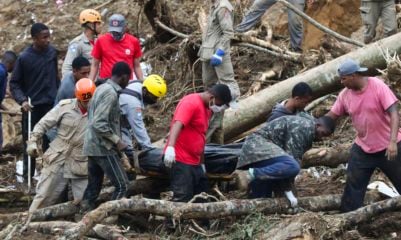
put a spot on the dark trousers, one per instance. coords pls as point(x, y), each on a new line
point(37, 113)
point(187, 181)
point(97, 167)
point(278, 171)
point(361, 166)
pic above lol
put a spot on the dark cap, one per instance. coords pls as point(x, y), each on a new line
point(117, 23)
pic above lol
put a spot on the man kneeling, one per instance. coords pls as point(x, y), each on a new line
point(272, 153)
point(63, 162)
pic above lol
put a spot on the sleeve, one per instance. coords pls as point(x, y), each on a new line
point(385, 95)
point(338, 107)
point(101, 122)
point(60, 92)
point(184, 112)
point(135, 119)
point(3, 85)
point(16, 82)
point(47, 122)
point(226, 24)
point(72, 52)
point(138, 50)
point(97, 49)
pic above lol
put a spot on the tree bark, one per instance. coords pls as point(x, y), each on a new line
point(179, 210)
point(329, 157)
point(323, 79)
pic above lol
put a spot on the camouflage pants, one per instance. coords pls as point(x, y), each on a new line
point(371, 11)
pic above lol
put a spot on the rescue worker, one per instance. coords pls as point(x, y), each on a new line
point(183, 152)
point(103, 142)
point(80, 69)
point(114, 46)
point(132, 102)
point(216, 61)
point(63, 162)
point(372, 107)
point(295, 22)
point(274, 153)
point(300, 97)
point(35, 76)
point(82, 45)
point(6, 66)
point(371, 11)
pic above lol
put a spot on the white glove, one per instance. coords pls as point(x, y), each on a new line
point(32, 148)
point(203, 168)
point(293, 200)
point(169, 156)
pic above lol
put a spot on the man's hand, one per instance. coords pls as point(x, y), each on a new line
point(398, 8)
point(169, 157)
point(26, 107)
point(121, 145)
point(32, 148)
point(125, 162)
point(392, 151)
point(309, 3)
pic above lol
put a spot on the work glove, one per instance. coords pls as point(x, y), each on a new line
point(32, 148)
point(398, 8)
point(293, 200)
point(217, 57)
point(125, 162)
point(169, 156)
point(121, 145)
point(203, 168)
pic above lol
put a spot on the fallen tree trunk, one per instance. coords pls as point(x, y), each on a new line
point(323, 79)
point(317, 226)
point(329, 157)
point(179, 210)
point(58, 227)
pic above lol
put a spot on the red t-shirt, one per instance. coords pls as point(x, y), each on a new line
point(194, 115)
point(109, 51)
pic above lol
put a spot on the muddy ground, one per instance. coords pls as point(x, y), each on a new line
point(175, 62)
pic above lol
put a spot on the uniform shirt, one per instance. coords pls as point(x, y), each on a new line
point(219, 30)
point(66, 148)
point(284, 136)
point(35, 75)
point(66, 89)
point(367, 109)
point(109, 51)
point(103, 121)
point(131, 108)
point(79, 46)
point(194, 115)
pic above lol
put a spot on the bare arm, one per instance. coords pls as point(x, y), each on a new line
point(175, 131)
point(332, 115)
point(394, 126)
point(94, 69)
point(138, 69)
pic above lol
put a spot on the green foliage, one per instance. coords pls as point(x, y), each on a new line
point(250, 227)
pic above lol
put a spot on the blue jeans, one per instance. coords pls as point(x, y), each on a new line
point(295, 22)
point(271, 172)
point(361, 166)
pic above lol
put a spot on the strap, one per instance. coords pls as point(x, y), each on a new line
point(131, 93)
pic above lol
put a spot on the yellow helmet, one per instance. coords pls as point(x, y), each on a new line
point(156, 85)
point(89, 15)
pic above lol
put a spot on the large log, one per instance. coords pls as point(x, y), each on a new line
point(178, 210)
point(329, 157)
point(323, 79)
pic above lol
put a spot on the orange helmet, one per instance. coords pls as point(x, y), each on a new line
point(89, 15)
point(84, 89)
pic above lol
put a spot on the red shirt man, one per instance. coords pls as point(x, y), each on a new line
point(186, 142)
point(116, 46)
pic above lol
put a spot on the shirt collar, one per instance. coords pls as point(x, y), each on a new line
point(216, 3)
point(85, 38)
point(114, 85)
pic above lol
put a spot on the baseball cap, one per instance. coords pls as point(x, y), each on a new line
point(350, 66)
point(117, 23)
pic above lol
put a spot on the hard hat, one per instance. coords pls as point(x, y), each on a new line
point(84, 89)
point(89, 15)
point(156, 85)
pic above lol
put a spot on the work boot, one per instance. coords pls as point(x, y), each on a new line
point(243, 179)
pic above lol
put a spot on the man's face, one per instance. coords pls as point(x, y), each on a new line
point(84, 104)
point(148, 97)
point(302, 102)
point(42, 40)
point(124, 81)
point(83, 72)
point(10, 66)
point(348, 81)
point(98, 27)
